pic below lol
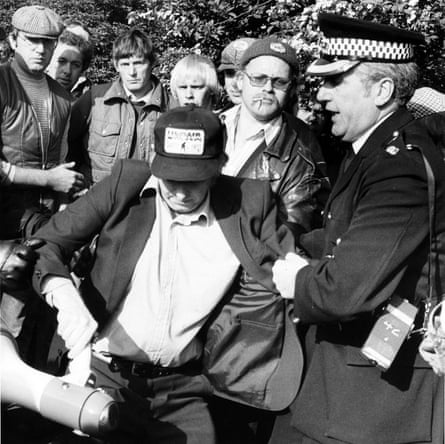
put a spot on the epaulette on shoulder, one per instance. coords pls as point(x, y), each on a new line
point(395, 144)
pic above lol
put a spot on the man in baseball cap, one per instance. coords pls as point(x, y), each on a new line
point(189, 145)
point(387, 205)
point(164, 287)
point(229, 66)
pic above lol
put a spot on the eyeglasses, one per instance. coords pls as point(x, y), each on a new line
point(261, 80)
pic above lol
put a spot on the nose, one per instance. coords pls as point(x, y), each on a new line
point(189, 92)
point(40, 46)
point(132, 70)
point(66, 68)
point(323, 94)
point(268, 85)
point(180, 193)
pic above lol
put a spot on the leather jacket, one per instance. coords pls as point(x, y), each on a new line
point(295, 168)
point(20, 144)
point(103, 126)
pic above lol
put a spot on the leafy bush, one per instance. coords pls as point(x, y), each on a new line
point(179, 27)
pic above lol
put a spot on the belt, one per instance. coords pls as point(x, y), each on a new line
point(148, 370)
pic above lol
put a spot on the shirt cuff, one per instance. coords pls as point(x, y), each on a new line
point(50, 284)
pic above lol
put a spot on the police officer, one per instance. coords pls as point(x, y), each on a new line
point(375, 246)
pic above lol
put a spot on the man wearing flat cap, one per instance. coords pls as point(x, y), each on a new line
point(34, 124)
point(179, 304)
point(264, 142)
point(34, 178)
point(382, 261)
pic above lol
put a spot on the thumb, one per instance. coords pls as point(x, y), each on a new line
point(68, 165)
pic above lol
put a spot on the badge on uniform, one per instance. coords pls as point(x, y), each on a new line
point(393, 150)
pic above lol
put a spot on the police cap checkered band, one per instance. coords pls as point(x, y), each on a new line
point(349, 41)
point(364, 49)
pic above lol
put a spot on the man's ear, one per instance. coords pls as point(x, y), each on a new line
point(384, 91)
point(12, 39)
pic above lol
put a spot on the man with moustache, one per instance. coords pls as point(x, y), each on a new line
point(264, 142)
point(34, 119)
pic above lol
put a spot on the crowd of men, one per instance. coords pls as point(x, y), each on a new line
point(221, 288)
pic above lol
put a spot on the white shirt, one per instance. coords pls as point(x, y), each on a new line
point(244, 135)
point(185, 269)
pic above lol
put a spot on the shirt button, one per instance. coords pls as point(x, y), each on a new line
point(338, 241)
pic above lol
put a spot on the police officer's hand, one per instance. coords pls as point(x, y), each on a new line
point(16, 263)
point(76, 325)
point(65, 179)
point(285, 272)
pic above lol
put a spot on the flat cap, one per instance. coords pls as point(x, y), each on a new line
point(348, 41)
point(38, 21)
point(232, 53)
point(270, 46)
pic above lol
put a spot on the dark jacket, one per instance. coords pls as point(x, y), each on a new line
point(246, 336)
point(375, 245)
point(295, 168)
point(20, 144)
point(105, 126)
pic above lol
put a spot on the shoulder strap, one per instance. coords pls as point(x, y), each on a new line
point(429, 301)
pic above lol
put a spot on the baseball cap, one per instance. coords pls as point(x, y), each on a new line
point(38, 21)
point(189, 143)
point(231, 54)
point(348, 41)
point(271, 46)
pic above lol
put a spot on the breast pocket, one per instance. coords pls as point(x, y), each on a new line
point(104, 137)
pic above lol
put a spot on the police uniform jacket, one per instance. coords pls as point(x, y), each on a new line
point(375, 244)
point(246, 335)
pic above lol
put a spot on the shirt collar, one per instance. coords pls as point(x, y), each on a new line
point(203, 212)
point(146, 99)
point(253, 127)
point(358, 144)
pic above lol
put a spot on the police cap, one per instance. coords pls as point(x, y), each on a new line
point(348, 41)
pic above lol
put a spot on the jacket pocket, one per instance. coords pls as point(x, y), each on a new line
point(104, 137)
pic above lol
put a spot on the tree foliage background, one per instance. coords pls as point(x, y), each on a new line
point(178, 27)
